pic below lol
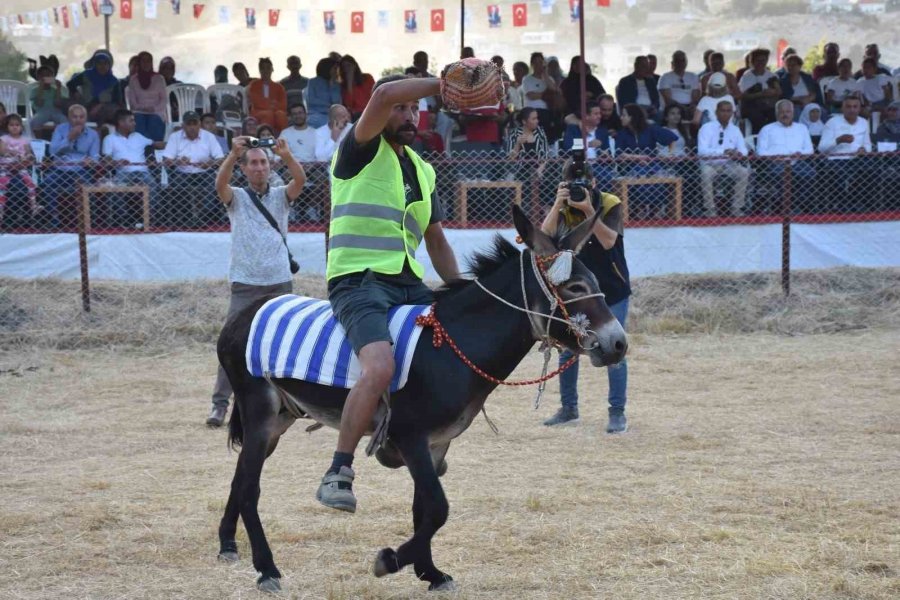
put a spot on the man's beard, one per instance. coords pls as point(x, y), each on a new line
point(404, 135)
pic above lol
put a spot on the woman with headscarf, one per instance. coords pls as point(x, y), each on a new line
point(97, 89)
point(268, 98)
point(889, 130)
point(811, 117)
point(146, 93)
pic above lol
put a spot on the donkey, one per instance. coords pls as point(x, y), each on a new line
point(494, 320)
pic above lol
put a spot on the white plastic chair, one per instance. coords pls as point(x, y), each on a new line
point(12, 95)
point(220, 90)
point(186, 97)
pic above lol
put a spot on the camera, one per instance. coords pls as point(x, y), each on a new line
point(294, 266)
point(261, 143)
point(579, 185)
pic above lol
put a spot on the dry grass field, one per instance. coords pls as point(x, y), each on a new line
point(758, 465)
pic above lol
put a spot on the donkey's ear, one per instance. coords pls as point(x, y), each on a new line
point(578, 237)
point(534, 238)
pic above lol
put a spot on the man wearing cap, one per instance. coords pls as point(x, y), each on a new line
point(716, 91)
point(191, 153)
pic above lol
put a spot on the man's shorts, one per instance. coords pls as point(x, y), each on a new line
point(361, 302)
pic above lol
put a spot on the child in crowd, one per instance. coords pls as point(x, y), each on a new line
point(47, 98)
point(15, 158)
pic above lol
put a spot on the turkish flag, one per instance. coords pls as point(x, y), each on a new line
point(65, 15)
point(357, 21)
point(520, 15)
point(603, 3)
point(437, 19)
point(198, 10)
point(782, 46)
point(95, 4)
point(125, 9)
point(274, 13)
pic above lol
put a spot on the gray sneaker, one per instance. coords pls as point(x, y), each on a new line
point(336, 490)
point(565, 414)
point(216, 416)
point(617, 422)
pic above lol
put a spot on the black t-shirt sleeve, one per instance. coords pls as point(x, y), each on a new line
point(437, 209)
point(353, 157)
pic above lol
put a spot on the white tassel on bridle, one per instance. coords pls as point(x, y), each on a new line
point(561, 269)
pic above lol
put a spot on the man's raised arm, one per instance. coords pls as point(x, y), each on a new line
point(385, 97)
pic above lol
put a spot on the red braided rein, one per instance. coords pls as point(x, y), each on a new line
point(440, 336)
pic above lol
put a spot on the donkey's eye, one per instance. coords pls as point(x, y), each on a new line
point(578, 288)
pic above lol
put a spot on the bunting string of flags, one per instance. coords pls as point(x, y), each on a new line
point(71, 14)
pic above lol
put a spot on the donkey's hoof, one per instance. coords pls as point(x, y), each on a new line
point(385, 563)
point(269, 585)
point(448, 585)
point(228, 556)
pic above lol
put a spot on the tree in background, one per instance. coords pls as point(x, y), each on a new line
point(815, 56)
point(12, 62)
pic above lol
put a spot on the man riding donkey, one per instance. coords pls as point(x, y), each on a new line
point(383, 202)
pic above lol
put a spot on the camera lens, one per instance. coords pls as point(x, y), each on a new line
point(576, 193)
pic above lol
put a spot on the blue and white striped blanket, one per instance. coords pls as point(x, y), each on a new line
point(296, 337)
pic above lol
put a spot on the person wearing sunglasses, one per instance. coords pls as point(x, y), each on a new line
point(680, 86)
point(722, 149)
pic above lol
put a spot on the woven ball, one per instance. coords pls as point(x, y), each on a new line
point(471, 83)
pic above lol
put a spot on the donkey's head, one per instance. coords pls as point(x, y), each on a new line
point(559, 285)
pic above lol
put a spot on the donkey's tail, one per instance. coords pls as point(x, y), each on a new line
point(235, 427)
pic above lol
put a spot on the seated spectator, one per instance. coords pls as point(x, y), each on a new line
point(596, 145)
point(716, 91)
point(889, 129)
point(706, 68)
point(675, 123)
point(876, 87)
point(482, 127)
point(322, 92)
point(846, 140)
point(554, 71)
point(609, 117)
point(268, 99)
point(208, 123)
point(740, 72)
point(193, 154)
point(784, 137)
point(467, 52)
point(147, 97)
point(97, 89)
point(75, 149)
point(639, 88)
point(760, 91)
point(797, 86)
point(811, 118)
point(47, 99)
point(249, 126)
point(874, 53)
point(717, 65)
point(132, 70)
point(16, 157)
point(829, 68)
point(300, 137)
point(571, 86)
point(527, 139)
point(294, 83)
point(167, 70)
point(842, 87)
point(220, 74)
point(125, 150)
point(636, 145)
point(3, 116)
point(241, 74)
point(265, 132)
point(330, 135)
point(680, 86)
point(722, 148)
point(356, 86)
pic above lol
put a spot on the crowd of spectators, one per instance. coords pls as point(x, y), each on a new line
point(127, 130)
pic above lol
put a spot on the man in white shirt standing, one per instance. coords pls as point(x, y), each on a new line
point(260, 262)
point(680, 86)
point(125, 150)
point(721, 138)
point(191, 153)
point(786, 138)
point(300, 137)
point(846, 139)
point(842, 86)
point(535, 87)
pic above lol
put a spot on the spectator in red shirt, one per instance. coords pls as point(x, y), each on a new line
point(829, 68)
point(356, 86)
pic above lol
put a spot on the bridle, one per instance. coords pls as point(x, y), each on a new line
point(550, 272)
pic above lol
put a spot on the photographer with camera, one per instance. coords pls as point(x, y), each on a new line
point(577, 199)
point(261, 262)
